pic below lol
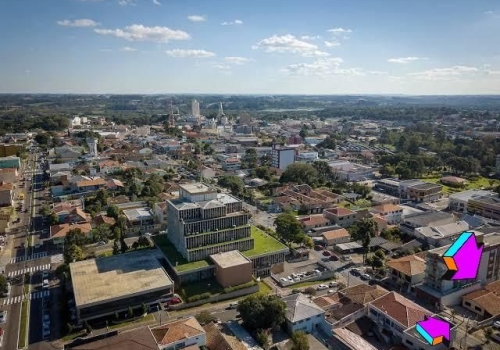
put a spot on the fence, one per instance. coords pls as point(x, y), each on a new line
point(217, 298)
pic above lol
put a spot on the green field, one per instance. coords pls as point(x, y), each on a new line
point(263, 243)
point(180, 263)
point(476, 184)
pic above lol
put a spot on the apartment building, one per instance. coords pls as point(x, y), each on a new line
point(393, 214)
point(459, 201)
point(407, 272)
point(423, 192)
point(281, 157)
point(231, 164)
point(140, 221)
point(203, 222)
point(487, 206)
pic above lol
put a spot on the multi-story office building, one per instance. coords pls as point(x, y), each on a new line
point(444, 292)
point(282, 157)
point(203, 222)
point(460, 201)
point(486, 206)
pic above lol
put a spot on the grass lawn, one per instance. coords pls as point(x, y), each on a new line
point(74, 335)
point(148, 318)
point(263, 243)
point(24, 324)
point(479, 183)
point(175, 257)
point(194, 288)
point(105, 254)
point(264, 288)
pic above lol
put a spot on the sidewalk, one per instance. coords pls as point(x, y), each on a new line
point(6, 253)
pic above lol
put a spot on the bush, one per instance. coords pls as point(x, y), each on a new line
point(262, 338)
point(197, 297)
point(238, 287)
point(310, 291)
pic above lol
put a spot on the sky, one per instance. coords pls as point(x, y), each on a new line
point(423, 47)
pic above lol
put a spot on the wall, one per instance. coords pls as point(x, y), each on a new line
point(217, 298)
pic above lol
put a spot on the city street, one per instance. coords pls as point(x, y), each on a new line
point(260, 217)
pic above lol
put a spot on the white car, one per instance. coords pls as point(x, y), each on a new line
point(45, 284)
point(496, 324)
point(283, 279)
point(322, 287)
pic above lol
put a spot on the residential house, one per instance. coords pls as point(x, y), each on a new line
point(6, 194)
point(136, 339)
point(313, 221)
point(484, 302)
point(8, 175)
point(393, 314)
point(453, 181)
point(58, 232)
point(89, 185)
point(141, 220)
point(101, 219)
point(407, 271)
point(340, 216)
point(336, 236)
point(344, 339)
point(66, 154)
point(219, 337)
point(393, 214)
point(231, 164)
point(179, 334)
point(306, 199)
point(62, 209)
point(424, 219)
point(302, 314)
point(77, 216)
point(114, 184)
point(109, 166)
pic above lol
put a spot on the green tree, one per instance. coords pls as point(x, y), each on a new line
point(289, 229)
point(329, 143)
point(72, 253)
point(263, 172)
point(144, 308)
point(300, 173)
point(75, 236)
point(251, 157)
point(204, 317)
point(324, 171)
point(363, 230)
point(44, 210)
point(233, 183)
point(300, 341)
point(102, 197)
point(262, 311)
point(113, 211)
point(42, 139)
point(3, 283)
point(262, 337)
point(102, 233)
point(304, 131)
point(116, 247)
point(53, 219)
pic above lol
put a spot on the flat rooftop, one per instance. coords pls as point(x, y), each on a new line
point(194, 188)
point(471, 194)
point(138, 214)
point(230, 259)
point(226, 199)
point(101, 280)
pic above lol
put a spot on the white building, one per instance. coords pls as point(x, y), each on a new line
point(282, 157)
point(195, 108)
point(392, 213)
point(307, 157)
point(302, 314)
point(348, 171)
point(76, 121)
point(459, 201)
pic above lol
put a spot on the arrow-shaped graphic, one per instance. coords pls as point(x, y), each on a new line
point(433, 330)
point(463, 257)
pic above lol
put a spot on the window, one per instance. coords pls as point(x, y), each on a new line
point(467, 303)
point(409, 342)
point(477, 308)
point(308, 319)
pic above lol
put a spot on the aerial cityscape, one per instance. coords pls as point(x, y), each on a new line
point(259, 175)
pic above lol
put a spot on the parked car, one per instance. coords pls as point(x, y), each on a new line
point(101, 243)
point(283, 279)
point(45, 274)
point(355, 272)
point(322, 287)
point(333, 284)
point(496, 324)
point(174, 301)
point(366, 277)
point(318, 247)
point(334, 257)
point(3, 316)
point(233, 305)
point(327, 253)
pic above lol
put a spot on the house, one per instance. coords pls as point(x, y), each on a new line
point(101, 219)
point(313, 221)
point(453, 181)
point(90, 185)
point(439, 236)
point(62, 209)
point(344, 339)
point(302, 314)
point(58, 232)
point(219, 337)
point(109, 166)
point(136, 339)
point(77, 216)
point(484, 302)
point(435, 218)
point(231, 164)
point(179, 334)
point(393, 214)
point(6, 194)
point(340, 216)
point(113, 184)
point(407, 271)
point(8, 175)
point(393, 314)
point(336, 236)
point(160, 211)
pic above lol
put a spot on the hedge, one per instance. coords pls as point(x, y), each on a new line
point(198, 297)
point(238, 287)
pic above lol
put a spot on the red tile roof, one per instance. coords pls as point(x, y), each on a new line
point(339, 211)
point(177, 330)
point(404, 311)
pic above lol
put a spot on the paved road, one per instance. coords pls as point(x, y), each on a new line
point(260, 217)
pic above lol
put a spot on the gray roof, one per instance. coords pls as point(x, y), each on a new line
point(300, 307)
point(444, 230)
point(471, 194)
point(377, 242)
point(426, 218)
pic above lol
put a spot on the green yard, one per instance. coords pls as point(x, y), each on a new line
point(479, 183)
point(263, 243)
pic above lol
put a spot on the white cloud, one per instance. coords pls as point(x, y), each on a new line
point(310, 37)
point(84, 22)
point(338, 31)
point(332, 43)
point(128, 49)
point(156, 2)
point(377, 72)
point(404, 60)
point(236, 60)
point(139, 32)
point(126, 2)
point(190, 53)
point(232, 23)
point(447, 73)
point(488, 12)
point(289, 44)
point(322, 67)
point(197, 18)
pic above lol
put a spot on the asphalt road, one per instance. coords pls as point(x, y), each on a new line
point(260, 217)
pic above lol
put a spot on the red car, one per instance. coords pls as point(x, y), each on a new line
point(318, 247)
point(327, 253)
point(334, 257)
point(174, 301)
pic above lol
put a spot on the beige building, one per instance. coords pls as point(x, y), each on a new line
point(6, 194)
point(8, 175)
point(336, 236)
point(340, 216)
point(232, 268)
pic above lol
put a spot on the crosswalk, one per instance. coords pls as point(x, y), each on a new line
point(31, 257)
point(56, 259)
point(29, 269)
point(31, 296)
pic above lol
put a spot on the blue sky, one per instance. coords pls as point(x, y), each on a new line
point(250, 46)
